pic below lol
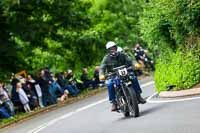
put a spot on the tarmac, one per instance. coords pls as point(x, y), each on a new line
point(165, 94)
point(52, 107)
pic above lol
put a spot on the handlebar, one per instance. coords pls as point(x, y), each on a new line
point(114, 72)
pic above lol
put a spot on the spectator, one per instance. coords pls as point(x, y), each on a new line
point(73, 80)
point(55, 88)
point(64, 83)
point(5, 100)
point(3, 112)
point(86, 81)
point(96, 77)
point(44, 82)
point(23, 97)
point(64, 96)
point(29, 90)
point(63, 87)
point(14, 95)
point(35, 90)
point(142, 57)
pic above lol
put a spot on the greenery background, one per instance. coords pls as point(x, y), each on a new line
point(72, 34)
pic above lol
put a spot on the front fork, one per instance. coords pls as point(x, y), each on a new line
point(121, 96)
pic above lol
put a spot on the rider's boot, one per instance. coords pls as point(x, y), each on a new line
point(114, 106)
point(140, 99)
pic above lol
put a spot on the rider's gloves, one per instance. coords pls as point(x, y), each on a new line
point(102, 77)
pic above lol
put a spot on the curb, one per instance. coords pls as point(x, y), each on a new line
point(53, 107)
point(181, 93)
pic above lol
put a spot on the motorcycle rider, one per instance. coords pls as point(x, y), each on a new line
point(141, 56)
point(115, 59)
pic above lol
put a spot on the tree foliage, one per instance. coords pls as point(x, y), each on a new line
point(62, 33)
point(72, 34)
point(173, 27)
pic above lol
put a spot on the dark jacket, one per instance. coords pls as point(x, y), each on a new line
point(109, 62)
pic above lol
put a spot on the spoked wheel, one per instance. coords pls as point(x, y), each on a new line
point(132, 102)
point(126, 114)
point(124, 107)
point(126, 111)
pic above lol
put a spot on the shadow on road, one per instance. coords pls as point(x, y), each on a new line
point(152, 109)
point(145, 111)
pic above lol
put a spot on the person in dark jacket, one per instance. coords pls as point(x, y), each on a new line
point(86, 81)
point(65, 84)
point(96, 76)
point(142, 57)
point(44, 82)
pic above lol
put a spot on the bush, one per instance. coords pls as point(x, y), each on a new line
point(177, 69)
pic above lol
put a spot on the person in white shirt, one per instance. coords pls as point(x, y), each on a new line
point(23, 97)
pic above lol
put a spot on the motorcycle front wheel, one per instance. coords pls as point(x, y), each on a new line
point(132, 102)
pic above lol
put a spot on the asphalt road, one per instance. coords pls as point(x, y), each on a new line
point(93, 115)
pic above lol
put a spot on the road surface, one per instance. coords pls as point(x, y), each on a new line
point(93, 115)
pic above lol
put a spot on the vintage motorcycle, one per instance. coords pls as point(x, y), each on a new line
point(126, 99)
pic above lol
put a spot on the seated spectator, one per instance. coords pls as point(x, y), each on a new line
point(23, 97)
point(86, 81)
point(5, 100)
point(61, 80)
point(3, 112)
point(56, 90)
point(64, 83)
point(73, 80)
point(96, 77)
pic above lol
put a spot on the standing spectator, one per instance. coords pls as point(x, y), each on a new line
point(14, 95)
point(44, 83)
point(36, 94)
point(23, 97)
point(29, 90)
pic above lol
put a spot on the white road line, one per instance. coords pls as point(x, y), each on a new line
point(149, 98)
point(38, 129)
point(169, 101)
point(45, 125)
point(147, 84)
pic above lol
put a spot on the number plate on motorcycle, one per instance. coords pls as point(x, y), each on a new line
point(123, 72)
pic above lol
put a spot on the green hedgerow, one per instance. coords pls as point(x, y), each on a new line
point(177, 69)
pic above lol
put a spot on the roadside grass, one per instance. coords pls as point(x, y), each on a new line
point(17, 117)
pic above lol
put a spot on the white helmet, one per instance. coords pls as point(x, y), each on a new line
point(110, 44)
point(119, 49)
